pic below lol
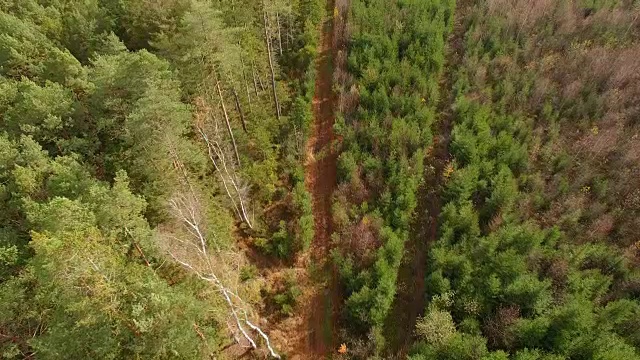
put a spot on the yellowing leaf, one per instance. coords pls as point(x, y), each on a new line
point(448, 170)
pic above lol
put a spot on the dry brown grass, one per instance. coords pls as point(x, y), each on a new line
point(521, 14)
point(602, 226)
point(602, 139)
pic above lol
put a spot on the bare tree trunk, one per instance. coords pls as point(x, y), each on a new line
point(290, 36)
point(216, 151)
point(236, 99)
point(188, 246)
point(273, 75)
point(279, 33)
point(255, 81)
point(287, 38)
point(135, 244)
point(246, 86)
point(262, 87)
point(239, 108)
point(226, 119)
point(213, 152)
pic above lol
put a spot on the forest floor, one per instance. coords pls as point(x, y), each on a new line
point(410, 300)
point(320, 171)
point(310, 333)
point(321, 181)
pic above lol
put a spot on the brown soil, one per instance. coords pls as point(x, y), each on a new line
point(410, 301)
point(321, 180)
point(310, 334)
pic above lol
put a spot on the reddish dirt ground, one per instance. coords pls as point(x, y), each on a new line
point(310, 333)
point(321, 180)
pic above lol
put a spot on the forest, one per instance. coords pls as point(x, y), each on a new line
point(307, 179)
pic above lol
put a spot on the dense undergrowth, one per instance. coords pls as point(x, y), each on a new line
point(387, 102)
point(533, 261)
point(141, 140)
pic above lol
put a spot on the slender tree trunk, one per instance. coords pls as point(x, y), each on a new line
point(262, 87)
point(287, 38)
point(236, 99)
point(290, 27)
point(211, 268)
point(239, 108)
point(213, 152)
point(246, 86)
point(279, 33)
point(226, 119)
point(216, 151)
point(273, 75)
point(255, 81)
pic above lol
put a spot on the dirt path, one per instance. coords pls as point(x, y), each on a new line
point(410, 301)
point(320, 179)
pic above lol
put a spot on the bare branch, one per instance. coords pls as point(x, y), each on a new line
point(187, 246)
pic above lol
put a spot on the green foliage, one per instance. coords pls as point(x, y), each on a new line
point(297, 234)
point(286, 299)
point(137, 323)
point(436, 327)
point(137, 106)
point(304, 212)
point(248, 272)
point(395, 58)
point(25, 51)
point(98, 99)
point(282, 242)
point(80, 264)
point(97, 102)
point(138, 23)
point(524, 289)
point(347, 167)
point(460, 346)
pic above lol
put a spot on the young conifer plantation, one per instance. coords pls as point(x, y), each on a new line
point(311, 179)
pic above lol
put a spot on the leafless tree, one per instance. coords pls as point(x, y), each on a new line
point(279, 33)
point(257, 80)
point(246, 85)
point(188, 244)
point(227, 175)
point(236, 99)
point(218, 149)
point(226, 119)
point(273, 75)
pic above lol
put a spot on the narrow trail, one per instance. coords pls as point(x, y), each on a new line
point(321, 180)
point(410, 301)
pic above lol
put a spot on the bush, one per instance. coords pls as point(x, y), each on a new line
point(286, 299)
point(248, 272)
point(436, 327)
point(394, 71)
point(304, 212)
point(347, 167)
point(281, 243)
